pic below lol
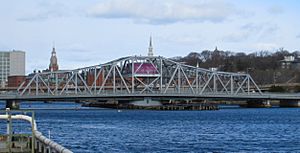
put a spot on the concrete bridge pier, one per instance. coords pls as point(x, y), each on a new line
point(289, 103)
point(146, 102)
point(13, 104)
point(256, 103)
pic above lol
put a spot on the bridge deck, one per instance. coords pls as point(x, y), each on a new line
point(108, 96)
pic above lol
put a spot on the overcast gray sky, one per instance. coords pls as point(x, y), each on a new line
point(90, 32)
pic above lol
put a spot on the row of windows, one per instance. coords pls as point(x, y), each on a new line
point(4, 65)
point(1, 53)
point(3, 80)
point(4, 74)
point(4, 58)
point(4, 69)
point(4, 61)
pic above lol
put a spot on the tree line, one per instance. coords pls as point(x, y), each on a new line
point(263, 66)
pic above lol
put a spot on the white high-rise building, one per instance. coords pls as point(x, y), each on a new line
point(12, 63)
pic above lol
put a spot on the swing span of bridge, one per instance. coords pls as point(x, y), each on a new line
point(136, 77)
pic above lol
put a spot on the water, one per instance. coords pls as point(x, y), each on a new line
point(226, 130)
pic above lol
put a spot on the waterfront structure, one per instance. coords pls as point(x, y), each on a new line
point(12, 63)
point(53, 66)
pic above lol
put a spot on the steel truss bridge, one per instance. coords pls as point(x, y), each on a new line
point(135, 77)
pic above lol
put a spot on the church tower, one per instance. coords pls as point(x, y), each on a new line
point(150, 49)
point(53, 61)
point(216, 49)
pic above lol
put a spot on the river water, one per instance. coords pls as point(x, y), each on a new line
point(226, 130)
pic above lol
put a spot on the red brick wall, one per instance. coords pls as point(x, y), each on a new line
point(15, 81)
point(91, 78)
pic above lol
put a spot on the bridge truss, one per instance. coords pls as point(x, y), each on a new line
point(134, 75)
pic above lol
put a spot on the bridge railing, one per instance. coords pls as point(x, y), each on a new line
point(34, 142)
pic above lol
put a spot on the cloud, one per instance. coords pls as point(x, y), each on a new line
point(252, 27)
point(44, 11)
point(236, 37)
point(77, 55)
point(266, 46)
point(243, 33)
point(252, 30)
point(183, 39)
point(163, 12)
point(257, 31)
point(264, 28)
point(298, 36)
point(275, 10)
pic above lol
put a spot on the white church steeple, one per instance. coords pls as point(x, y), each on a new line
point(150, 49)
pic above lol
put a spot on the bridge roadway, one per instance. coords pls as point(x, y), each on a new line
point(156, 96)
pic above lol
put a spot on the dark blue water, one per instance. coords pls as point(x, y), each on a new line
point(226, 130)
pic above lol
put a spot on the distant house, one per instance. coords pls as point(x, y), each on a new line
point(290, 62)
point(213, 69)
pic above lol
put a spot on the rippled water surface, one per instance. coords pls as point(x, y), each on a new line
point(226, 130)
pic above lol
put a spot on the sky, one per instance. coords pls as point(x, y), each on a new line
point(92, 32)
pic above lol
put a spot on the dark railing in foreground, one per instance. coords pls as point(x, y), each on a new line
point(34, 142)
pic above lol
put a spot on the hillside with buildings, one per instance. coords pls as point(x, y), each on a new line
point(265, 67)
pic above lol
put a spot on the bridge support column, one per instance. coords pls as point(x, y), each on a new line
point(13, 104)
point(258, 104)
point(146, 102)
point(289, 103)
